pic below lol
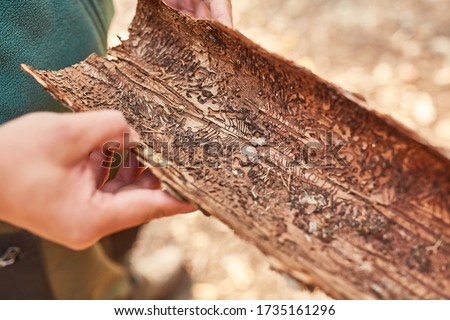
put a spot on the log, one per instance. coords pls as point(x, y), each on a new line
point(336, 195)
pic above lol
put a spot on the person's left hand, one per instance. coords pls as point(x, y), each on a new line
point(205, 9)
point(51, 187)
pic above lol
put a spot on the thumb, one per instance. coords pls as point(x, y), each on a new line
point(130, 208)
point(88, 131)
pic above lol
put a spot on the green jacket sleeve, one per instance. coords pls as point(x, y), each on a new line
point(46, 34)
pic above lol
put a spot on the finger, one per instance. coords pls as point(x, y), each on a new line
point(221, 10)
point(122, 175)
point(129, 169)
point(148, 180)
point(127, 174)
point(187, 6)
point(88, 131)
point(175, 4)
point(132, 175)
point(101, 166)
point(202, 11)
point(135, 207)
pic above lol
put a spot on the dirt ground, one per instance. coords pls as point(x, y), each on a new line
point(395, 53)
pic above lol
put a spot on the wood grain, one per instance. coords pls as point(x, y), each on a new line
point(336, 195)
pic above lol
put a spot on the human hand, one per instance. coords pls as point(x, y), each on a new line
point(50, 178)
point(205, 9)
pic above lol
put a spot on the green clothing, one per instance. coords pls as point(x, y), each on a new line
point(50, 34)
point(46, 34)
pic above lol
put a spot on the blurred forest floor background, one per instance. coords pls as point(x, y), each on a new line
point(395, 53)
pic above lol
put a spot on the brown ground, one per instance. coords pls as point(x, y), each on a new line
point(396, 54)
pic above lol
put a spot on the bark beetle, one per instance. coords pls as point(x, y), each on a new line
point(338, 196)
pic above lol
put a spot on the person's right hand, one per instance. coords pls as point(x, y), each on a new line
point(205, 9)
point(49, 182)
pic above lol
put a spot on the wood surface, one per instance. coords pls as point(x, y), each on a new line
point(337, 196)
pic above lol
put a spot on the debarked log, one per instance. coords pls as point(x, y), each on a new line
point(338, 196)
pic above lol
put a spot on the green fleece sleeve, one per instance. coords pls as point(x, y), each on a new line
point(46, 34)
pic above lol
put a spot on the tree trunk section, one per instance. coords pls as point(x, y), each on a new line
point(338, 196)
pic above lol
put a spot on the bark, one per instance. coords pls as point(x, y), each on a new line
point(338, 196)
